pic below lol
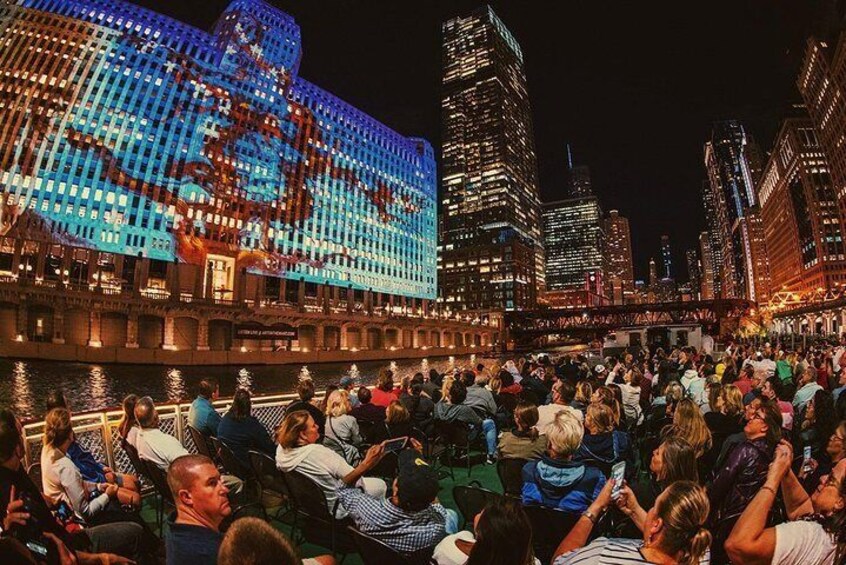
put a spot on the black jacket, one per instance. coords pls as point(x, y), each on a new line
point(739, 479)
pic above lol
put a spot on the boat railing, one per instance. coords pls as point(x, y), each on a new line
point(98, 431)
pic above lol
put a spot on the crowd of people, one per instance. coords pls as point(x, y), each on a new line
point(663, 456)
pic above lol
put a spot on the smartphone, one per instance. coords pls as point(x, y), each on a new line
point(393, 445)
point(64, 511)
point(618, 473)
point(806, 458)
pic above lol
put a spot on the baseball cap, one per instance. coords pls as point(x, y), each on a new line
point(346, 381)
point(417, 482)
point(599, 368)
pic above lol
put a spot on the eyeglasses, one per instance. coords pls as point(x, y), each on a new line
point(757, 416)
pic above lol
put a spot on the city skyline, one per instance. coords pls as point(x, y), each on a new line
point(639, 126)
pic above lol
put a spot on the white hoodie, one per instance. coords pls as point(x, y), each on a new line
point(694, 386)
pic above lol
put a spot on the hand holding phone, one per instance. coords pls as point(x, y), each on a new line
point(806, 459)
point(397, 444)
point(618, 474)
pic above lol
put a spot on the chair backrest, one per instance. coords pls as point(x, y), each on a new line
point(201, 441)
point(159, 479)
point(452, 433)
point(269, 477)
point(549, 527)
point(132, 453)
point(307, 496)
point(365, 429)
point(510, 473)
point(34, 473)
point(508, 402)
point(231, 464)
point(472, 499)
point(376, 552)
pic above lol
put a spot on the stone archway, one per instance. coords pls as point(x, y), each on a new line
point(220, 335)
point(185, 331)
point(39, 322)
point(332, 338)
point(77, 323)
point(374, 338)
point(306, 334)
point(150, 332)
point(113, 329)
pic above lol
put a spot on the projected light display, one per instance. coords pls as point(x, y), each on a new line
point(126, 131)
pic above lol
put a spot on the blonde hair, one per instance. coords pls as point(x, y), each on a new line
point(689, 424)
point(584, 390)
point(57, 427)
point(294, 424)
point(495, 384)
point(446, 385)
point(732, 400)
point(396, 413)
point(684, 508)
point(602, 416)
point(338, 403)
point(565, 434)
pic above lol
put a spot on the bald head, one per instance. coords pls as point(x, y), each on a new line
point(183, 472)
point(145, 413)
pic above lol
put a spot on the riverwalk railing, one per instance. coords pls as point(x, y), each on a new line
point(98, 431)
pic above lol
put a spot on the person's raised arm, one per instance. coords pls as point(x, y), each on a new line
point(796, 500)
point(578, 536)
point(750, 540)
point(628, 505)
point(374, 455)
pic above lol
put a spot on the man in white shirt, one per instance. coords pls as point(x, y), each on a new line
point(153, 444)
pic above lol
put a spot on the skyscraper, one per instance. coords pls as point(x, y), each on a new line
point(580, 183)
point(491, 250)
point(732, 160)
point(801, 224)
point(712, 270)
point(653, 274)
point(708, 282)
point(666, 257)
point(694, 273)
point(574, 242)
point(618, 256)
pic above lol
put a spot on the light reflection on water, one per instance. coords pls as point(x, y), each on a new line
point(24, 384)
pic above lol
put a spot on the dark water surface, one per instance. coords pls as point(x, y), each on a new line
point(24, 384)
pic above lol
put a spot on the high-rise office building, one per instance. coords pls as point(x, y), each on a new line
point(694, 273)
point(715, 249)
point(579, 180)
point(618, 257)
point(801, 224)
point(732, 160)
point(822, 83)
point(653, 273)
point(758, 284)
point(132, 135)
point(707, 280)
point(574, 241)
point(491, 249)
point(666, 258)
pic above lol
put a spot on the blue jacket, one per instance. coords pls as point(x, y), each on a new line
point(203, 417)
point(609, 447)
point(90, 469)
point(568, 485)
point(243, 435)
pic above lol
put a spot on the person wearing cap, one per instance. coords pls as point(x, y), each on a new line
point(694, 387)
point(347, 383)
point(599, 371)
point(411, 519)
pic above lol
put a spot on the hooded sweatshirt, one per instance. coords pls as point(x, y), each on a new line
point(567, 485)
point(321, 465)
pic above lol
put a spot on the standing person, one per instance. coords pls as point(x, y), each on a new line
point(202, 415)
point(202, 503)
point(630, 388)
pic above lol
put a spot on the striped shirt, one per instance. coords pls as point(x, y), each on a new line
point(612, 551)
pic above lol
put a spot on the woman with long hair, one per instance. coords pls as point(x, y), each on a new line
point(128, 425)
point(689, 423)
point(820, 421)
point(502, 536)
point(342, 433)
point(673, 460)
point(673, 529)
point(524, 442)
point(384, 392)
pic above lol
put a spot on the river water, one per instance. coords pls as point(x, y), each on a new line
point(24, 384)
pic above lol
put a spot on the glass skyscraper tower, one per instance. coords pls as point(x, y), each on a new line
point(491, 254)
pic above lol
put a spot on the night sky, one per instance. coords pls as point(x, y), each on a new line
point(633, 86)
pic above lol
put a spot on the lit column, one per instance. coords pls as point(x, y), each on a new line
point(94, 329)
point(132, 330)
point(22, 321)
point(41, 260)
point(58, 323)
point(344, 337)
point(319, 337)
point(168, 334)
point(301, 295)
point(203, 334)
point(93, 265)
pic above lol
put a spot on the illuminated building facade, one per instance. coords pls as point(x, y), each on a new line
point(129, 133)
point(694, 273)
point(711, 270)
point(732, 161)
point(666, 257)
point(491, 250)
point(575, 242)
point(799, 213)
point(618, 257)
point(707, 281)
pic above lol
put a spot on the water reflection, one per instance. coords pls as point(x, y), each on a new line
point(24, 386)
point(175, 385)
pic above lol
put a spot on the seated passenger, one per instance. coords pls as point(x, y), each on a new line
point(128, 425)
point(816, 531)
point(202, 503)
point(384, 392)
point(557, 480)
point(242, 432)
point(251, 541)
point(305, 390)
point(202, 415)
point(563, 394)
point(411, 519)
point(342, 434)
point(601, 441)
point(453, 409)
point(299, 451)
point(524, 442)
point(153, 444)
point(673, 530)
point(366, 411)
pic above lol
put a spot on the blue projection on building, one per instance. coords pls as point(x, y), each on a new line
point(126, 131)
